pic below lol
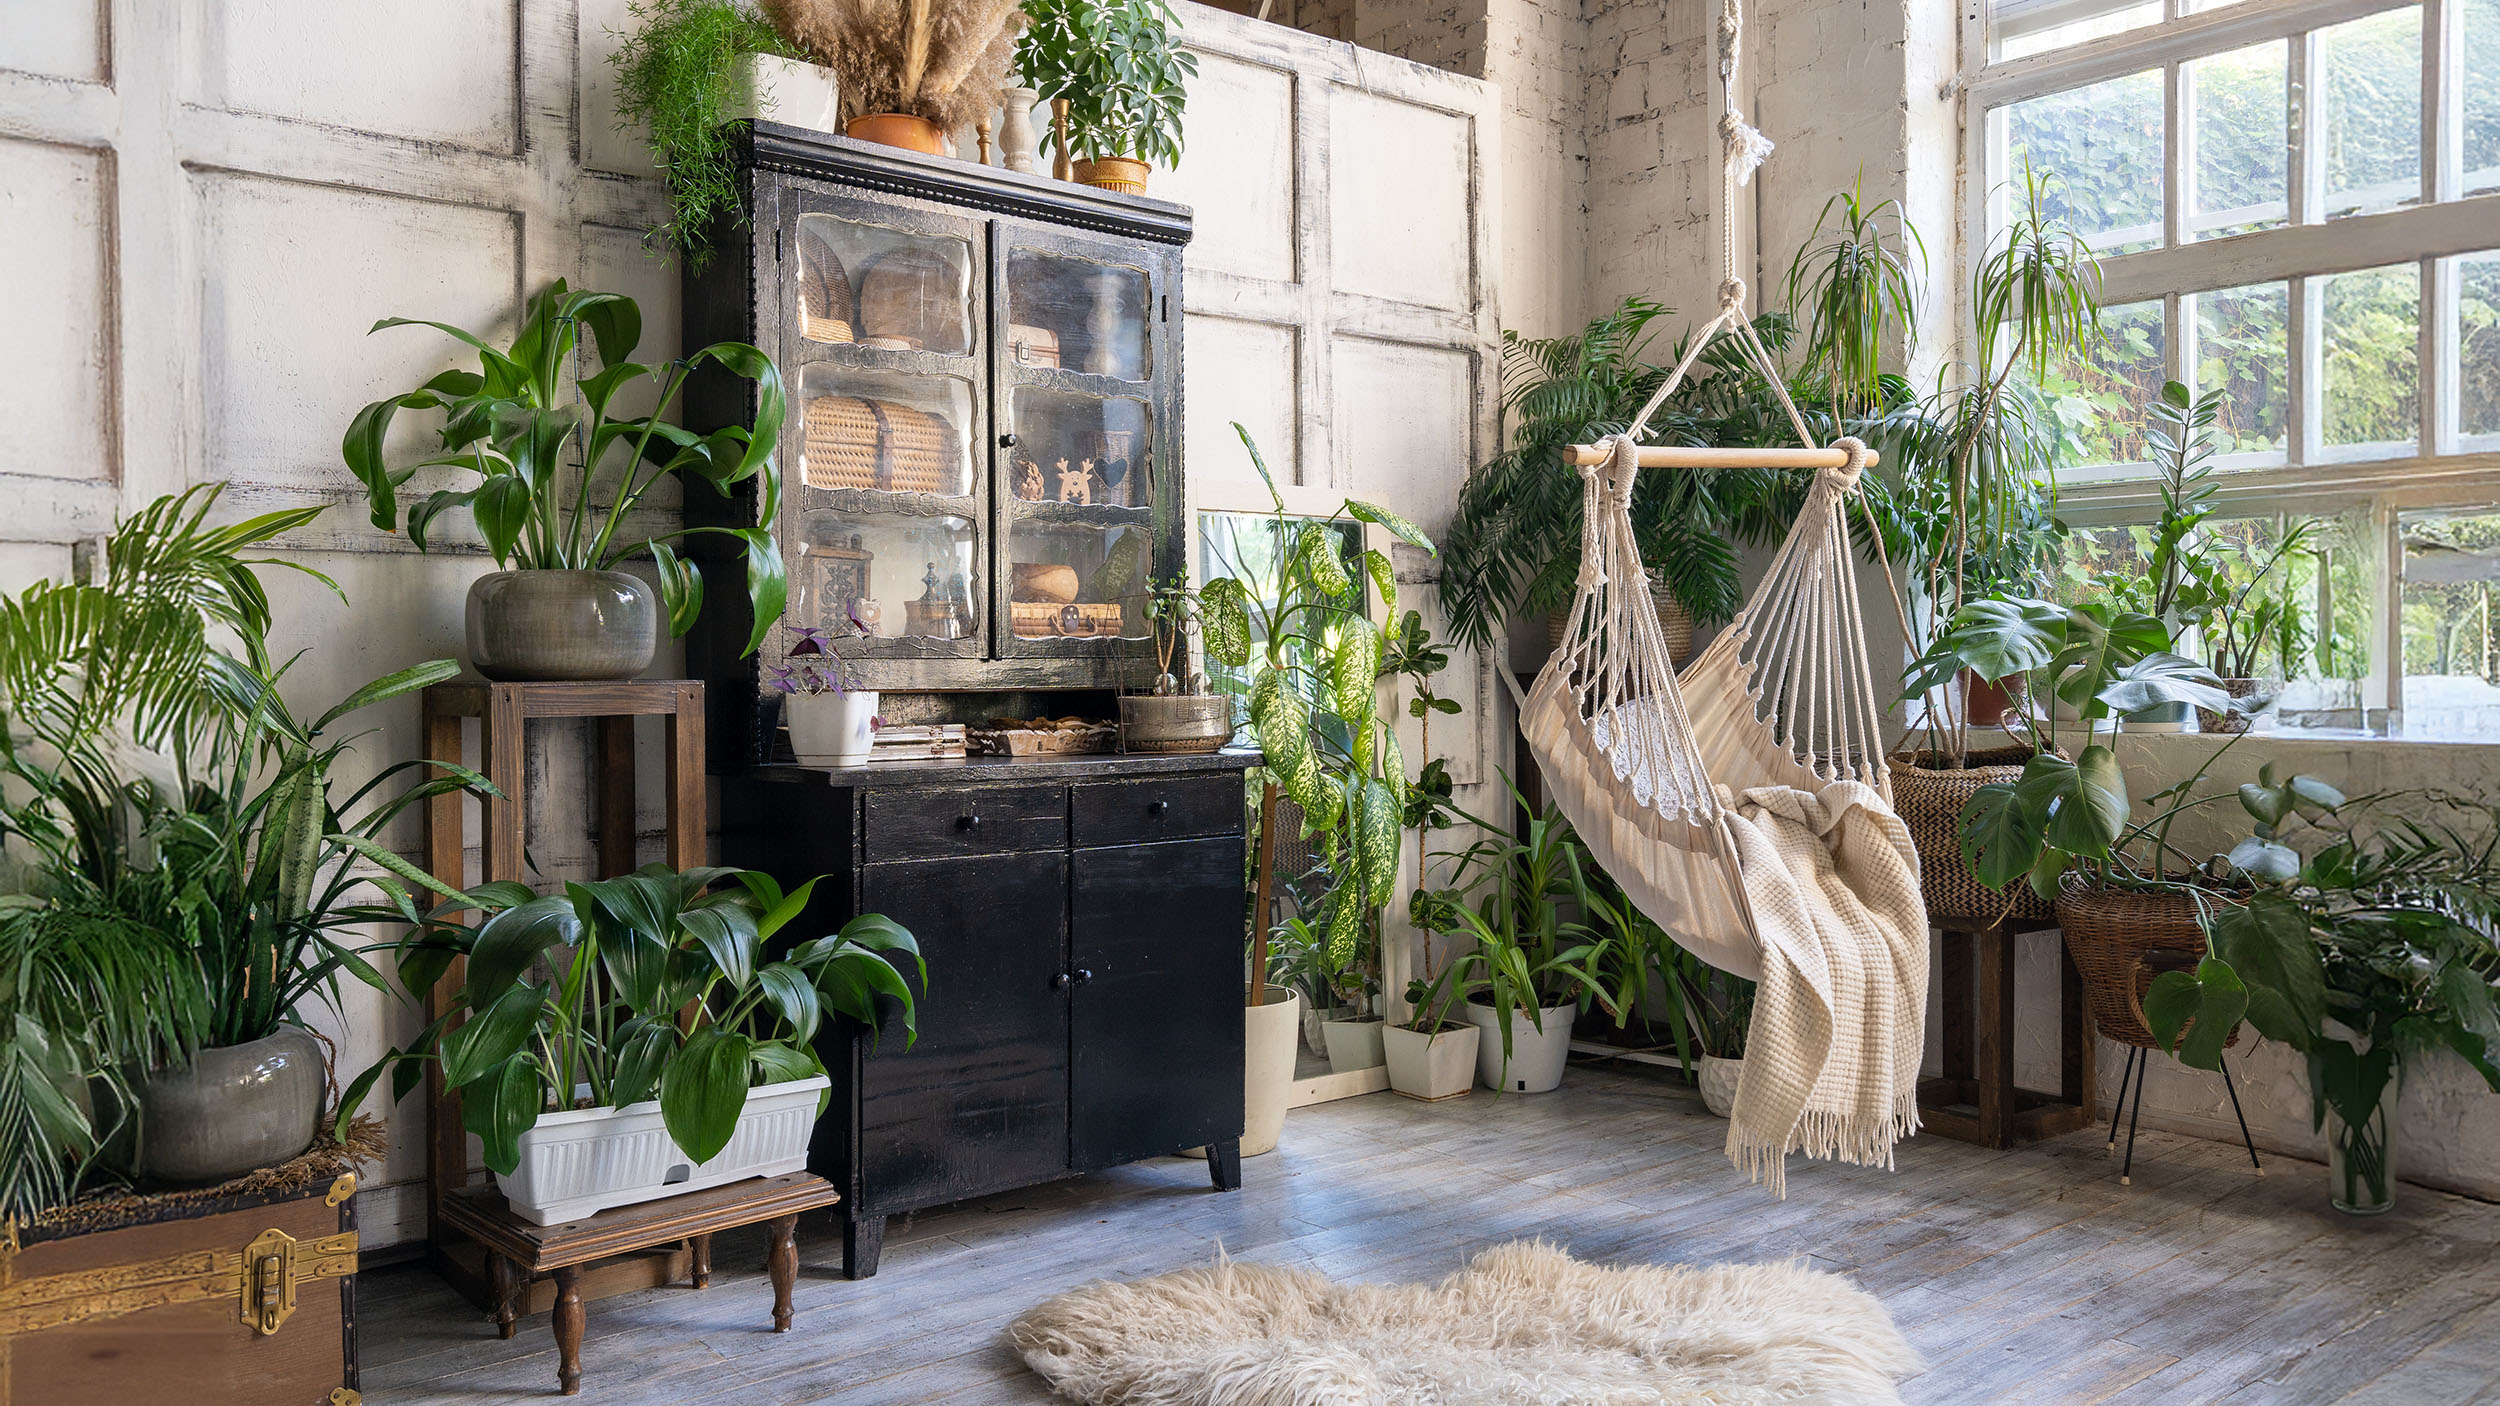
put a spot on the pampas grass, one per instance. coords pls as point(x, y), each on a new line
point(944, 60)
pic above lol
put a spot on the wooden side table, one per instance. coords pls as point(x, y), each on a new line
point(1976, 1011)
point(504, 712)
point(517, 1250)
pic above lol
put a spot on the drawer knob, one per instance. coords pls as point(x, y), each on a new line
point(1084, 975)
point(968, 822)
point(1058, 981)
point(1157, 807)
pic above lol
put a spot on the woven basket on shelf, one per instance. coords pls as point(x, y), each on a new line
point(1930, 803)
point(825, 303)
point(2114, 936)
point(858, 443)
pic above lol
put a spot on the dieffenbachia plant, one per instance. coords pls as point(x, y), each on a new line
point(1314, 694)
point(560, 470)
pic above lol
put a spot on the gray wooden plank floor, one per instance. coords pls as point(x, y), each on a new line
point(2023, 1276)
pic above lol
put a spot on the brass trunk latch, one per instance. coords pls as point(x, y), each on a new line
point(269, 1281)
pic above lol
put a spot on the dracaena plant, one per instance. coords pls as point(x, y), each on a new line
point(1314, 659)
point(559, 466)
point(625, 961)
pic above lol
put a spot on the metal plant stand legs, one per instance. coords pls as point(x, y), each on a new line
point(2137, 1062)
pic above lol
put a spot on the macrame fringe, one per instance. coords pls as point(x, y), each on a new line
point(1828, 1135)
point(1747, 148)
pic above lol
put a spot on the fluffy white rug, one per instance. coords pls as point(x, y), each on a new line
point(1523, 1323)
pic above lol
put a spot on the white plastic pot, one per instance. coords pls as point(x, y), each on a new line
point(1537, 1056)
point(1431, 1067)
point(1353, 1045)
point(590, 1159)
point(1267, 1068)
point(1717, 1078)
point(831, 729)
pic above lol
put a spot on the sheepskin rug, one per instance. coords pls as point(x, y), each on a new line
point(1522, 1323)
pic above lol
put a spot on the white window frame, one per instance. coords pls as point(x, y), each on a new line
point(2436, 471)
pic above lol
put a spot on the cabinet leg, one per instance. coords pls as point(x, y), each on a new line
point(782, 1262)
point(699, 1260)
point(504, 1277)
point(863, 1240)
point(1224, 1164)
point(569, 1330)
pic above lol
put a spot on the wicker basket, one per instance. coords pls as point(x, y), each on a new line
point(2112, 935)
point(1930, 803)
point(915, 294)
point(858, 443)
point(825, 304)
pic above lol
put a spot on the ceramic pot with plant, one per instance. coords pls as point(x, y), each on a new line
point(558, 607)
point(832, 720)
point(191, 888)
point(1176, 718)
point(911, 71)
point(1118, 82)
point(631, 1038)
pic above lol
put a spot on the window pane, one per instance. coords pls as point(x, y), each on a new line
point(2037, 26)
point(2324, 589)
point(2241, 156)
point(2098, 406)
point(2372, 127)
point(2479, 83)
point(2452, 661)
point(2372, 356)
point(2241, 346)
point(2100, 149)
point(2478, 348)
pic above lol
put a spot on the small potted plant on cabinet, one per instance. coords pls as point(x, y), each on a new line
point(558, 607)
point(1116, 82)
point(662, 1052)
point(1175, 718)
point(910, 71)
point(832, 720)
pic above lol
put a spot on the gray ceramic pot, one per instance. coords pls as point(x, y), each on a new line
point(234, 1110)
point(531, 626)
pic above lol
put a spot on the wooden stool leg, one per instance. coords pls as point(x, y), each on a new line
point(505, 1277)
point(569, 1330)
point(1996, 1036)
point(699, 1249)
point(783, 1263)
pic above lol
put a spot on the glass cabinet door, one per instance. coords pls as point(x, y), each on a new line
point(1085, 436)
point(885, 483)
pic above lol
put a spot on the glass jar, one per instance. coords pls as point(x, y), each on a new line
point(2360, 1131)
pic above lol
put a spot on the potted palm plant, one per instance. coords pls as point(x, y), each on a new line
point(558, 607)
point(665, 1050)
point(1117, 84)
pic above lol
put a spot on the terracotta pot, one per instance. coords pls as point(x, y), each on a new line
point(2249, 697)
point(1985, 704)
point(897, 129)
point(1113, 173)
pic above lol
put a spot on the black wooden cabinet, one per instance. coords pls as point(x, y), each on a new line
point(1082, 923)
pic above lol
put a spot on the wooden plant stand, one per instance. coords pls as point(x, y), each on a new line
point(504, 712)
point(1976, 1013)
point(518, 1251)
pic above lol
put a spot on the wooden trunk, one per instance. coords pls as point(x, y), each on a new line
point(247, 1300)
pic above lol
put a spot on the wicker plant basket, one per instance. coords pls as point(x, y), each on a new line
point(2116, 938)
point(825, 305)
point(858, 443)
point(1930, 802)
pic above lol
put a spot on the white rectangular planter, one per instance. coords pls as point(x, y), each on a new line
point(591, 1159)
point(769, 88)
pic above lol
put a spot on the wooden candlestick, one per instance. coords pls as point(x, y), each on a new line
point(1061, 165)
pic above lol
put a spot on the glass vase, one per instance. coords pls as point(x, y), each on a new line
point(2361, 1150)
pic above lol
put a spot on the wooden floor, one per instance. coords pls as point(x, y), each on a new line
point(2023, 1276)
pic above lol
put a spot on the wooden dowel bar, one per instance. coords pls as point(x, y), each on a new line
point(1678, 456)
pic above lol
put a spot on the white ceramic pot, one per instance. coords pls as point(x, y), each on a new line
point(1432, 1067)
point(1537, 1056)
point(589, 1159)
point(770, 88)
point(1353, 1045)
point(1717, 1078)
point(1267, 1068)
point(1314, 1025)
point(836, 729)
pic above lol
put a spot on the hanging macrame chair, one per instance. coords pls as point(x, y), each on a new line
point(1644, 762)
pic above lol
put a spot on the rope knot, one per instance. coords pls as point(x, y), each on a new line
point(1845, 476)
point(1732, 295)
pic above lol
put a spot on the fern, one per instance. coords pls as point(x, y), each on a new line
point(675, 75)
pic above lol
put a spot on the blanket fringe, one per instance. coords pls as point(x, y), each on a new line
point(1824, 1134)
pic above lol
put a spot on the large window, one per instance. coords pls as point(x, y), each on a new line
point(2296, 202)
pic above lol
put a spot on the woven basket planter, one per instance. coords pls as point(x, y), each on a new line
point(2111, 933)
point(1929, 802)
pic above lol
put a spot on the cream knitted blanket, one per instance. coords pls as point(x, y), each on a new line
point(1839, 1018)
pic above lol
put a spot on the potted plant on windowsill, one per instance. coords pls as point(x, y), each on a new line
point(910, 71)
point(832, 720)
point(664, 1051)
point(1116, 82)
point(559, 608)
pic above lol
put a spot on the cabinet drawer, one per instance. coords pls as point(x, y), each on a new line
point(1155, 808)
point(938, 822)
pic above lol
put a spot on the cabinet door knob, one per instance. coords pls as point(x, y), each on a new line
point(968, 822)
point(1058, 981)
point(1157, 807)
point(1084, 975)
point(1007, 440)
